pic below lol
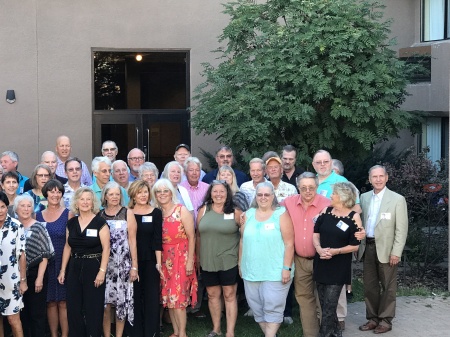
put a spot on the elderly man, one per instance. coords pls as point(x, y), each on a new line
point(135, 160)
point(385, 219)
point(257, 168)
point(120, 173)
point(63, 150)
point(110, 150)
point(224, 156)
point(274, 171)
point(337, 166)
point(183, 152)
point(101, 168)
point(48, 158)
point(72, 167)
point(10, 162)
point(304, 210)
point(290, 170)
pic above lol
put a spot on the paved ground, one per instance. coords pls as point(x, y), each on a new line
point(416, 316)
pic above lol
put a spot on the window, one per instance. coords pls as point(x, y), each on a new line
point(435, 19)
point(435, 137)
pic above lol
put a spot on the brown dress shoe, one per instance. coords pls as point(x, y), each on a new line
point(370, 325)
point(382, 329)
point(342, 325)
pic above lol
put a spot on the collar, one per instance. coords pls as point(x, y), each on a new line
point(380, 194)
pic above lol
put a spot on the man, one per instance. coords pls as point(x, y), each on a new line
point(101, 168)
point(385, 219)
point(183, 152)
point(63, 150)
point(290, 170)
point(337, 166)
point(274, 171)
point(10, 162)
point(110, 150)
point(48, 158)
point(224, 156)
point(73, 172)
point(135, 160)
point(120, 173)
point(257, 168)
point(304, 210)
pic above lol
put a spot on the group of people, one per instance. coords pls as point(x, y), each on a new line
point(75, 246)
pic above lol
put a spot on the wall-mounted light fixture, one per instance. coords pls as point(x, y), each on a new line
point(139, 57)
point(10, 96)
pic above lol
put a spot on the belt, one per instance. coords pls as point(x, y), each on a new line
point(308, 257)
point(370, 241)
point(86, 256)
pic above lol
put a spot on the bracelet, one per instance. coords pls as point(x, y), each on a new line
point(287, 268)
point(134, 268)
point(103, 270)
point(158, 266)
point(23, 279)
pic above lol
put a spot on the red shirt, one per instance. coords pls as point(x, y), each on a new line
point(303, 221)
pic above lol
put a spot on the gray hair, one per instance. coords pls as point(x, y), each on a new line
point(148, 166)
point(46, 153)
point(258, 160)
point(164, 183)
point(165, 173)
point(377, 166)
point(33, 180)
point(347, 193)
point(23, 197)
point(110, 185)
point(73, 202)
point(192, 160)
point(268, 184)
point(337, 165)
point(321, 151)
point(224, 148)
point(110, 141)
point(96, 163)
point(308, 175)
point(14, 156)
point(269, 154)
point(119, 161)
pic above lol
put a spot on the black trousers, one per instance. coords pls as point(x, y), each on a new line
point(85, 302)
point(328, 297)
point(146, 301)
point(34, 312)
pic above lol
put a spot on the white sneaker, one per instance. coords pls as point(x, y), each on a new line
point(249, 313)
point(288, 320)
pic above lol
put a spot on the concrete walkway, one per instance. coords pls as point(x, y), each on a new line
point(415, 316)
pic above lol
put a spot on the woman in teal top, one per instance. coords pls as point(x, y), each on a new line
point(217, 250)
point(266, 258)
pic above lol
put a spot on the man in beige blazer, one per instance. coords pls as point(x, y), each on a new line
point(385, 219)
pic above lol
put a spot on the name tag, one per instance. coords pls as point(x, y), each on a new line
point(323, 193)
point(342, 226)
point(269, 226)
point(385, 216)
point(91, 233)
point(314, 220)
point(29, 234)
point(148, 218)
point(229, 216)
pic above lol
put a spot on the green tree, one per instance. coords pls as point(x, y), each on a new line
point(315, 74)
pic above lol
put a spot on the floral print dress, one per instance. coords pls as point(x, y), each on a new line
point(178, 290)
point(12, 244)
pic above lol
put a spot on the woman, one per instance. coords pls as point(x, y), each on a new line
point(87, 248)
point(149, 173)
point(149, 247)
point(10, 185)
point(226, 173)
point(179, 282)
point(56, 217)
point(123, 264)
point(13, 279)
point(266, 258)
point(72, 167)
point(173, 171)
point(217, 252)
point(39, 250)
point(41, 174)
point(334, 239)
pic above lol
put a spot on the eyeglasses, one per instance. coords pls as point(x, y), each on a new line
point(165, 191)
point(110, 150)
point(322, 162)
point(265, 195)
point(223, 156)
point(43, 175)
point(308, 189)
point(136, 158)
point(74, 169)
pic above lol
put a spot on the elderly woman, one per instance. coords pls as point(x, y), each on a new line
point(334, 240)
point(266, 258)
point(55, 216)
point(179, 282)
point(123, 264)
point(227, 174)
point(39, 250)
point(13, 279)
point(173, 171)
point(217, 248)
point(149, 173)
point(10, 185)
point(85, 256)
point(73, 168)
point(41, 174)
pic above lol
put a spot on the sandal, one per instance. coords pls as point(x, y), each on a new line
point(213, 334)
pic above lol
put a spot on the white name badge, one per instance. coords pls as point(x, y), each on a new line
point(29, 234)
point(342, 226)
point(269, 226)
point(385, 216)
point(229, 216)
point(147, 218)
point(91, 233)
point(323, 193)
point(314, 220)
